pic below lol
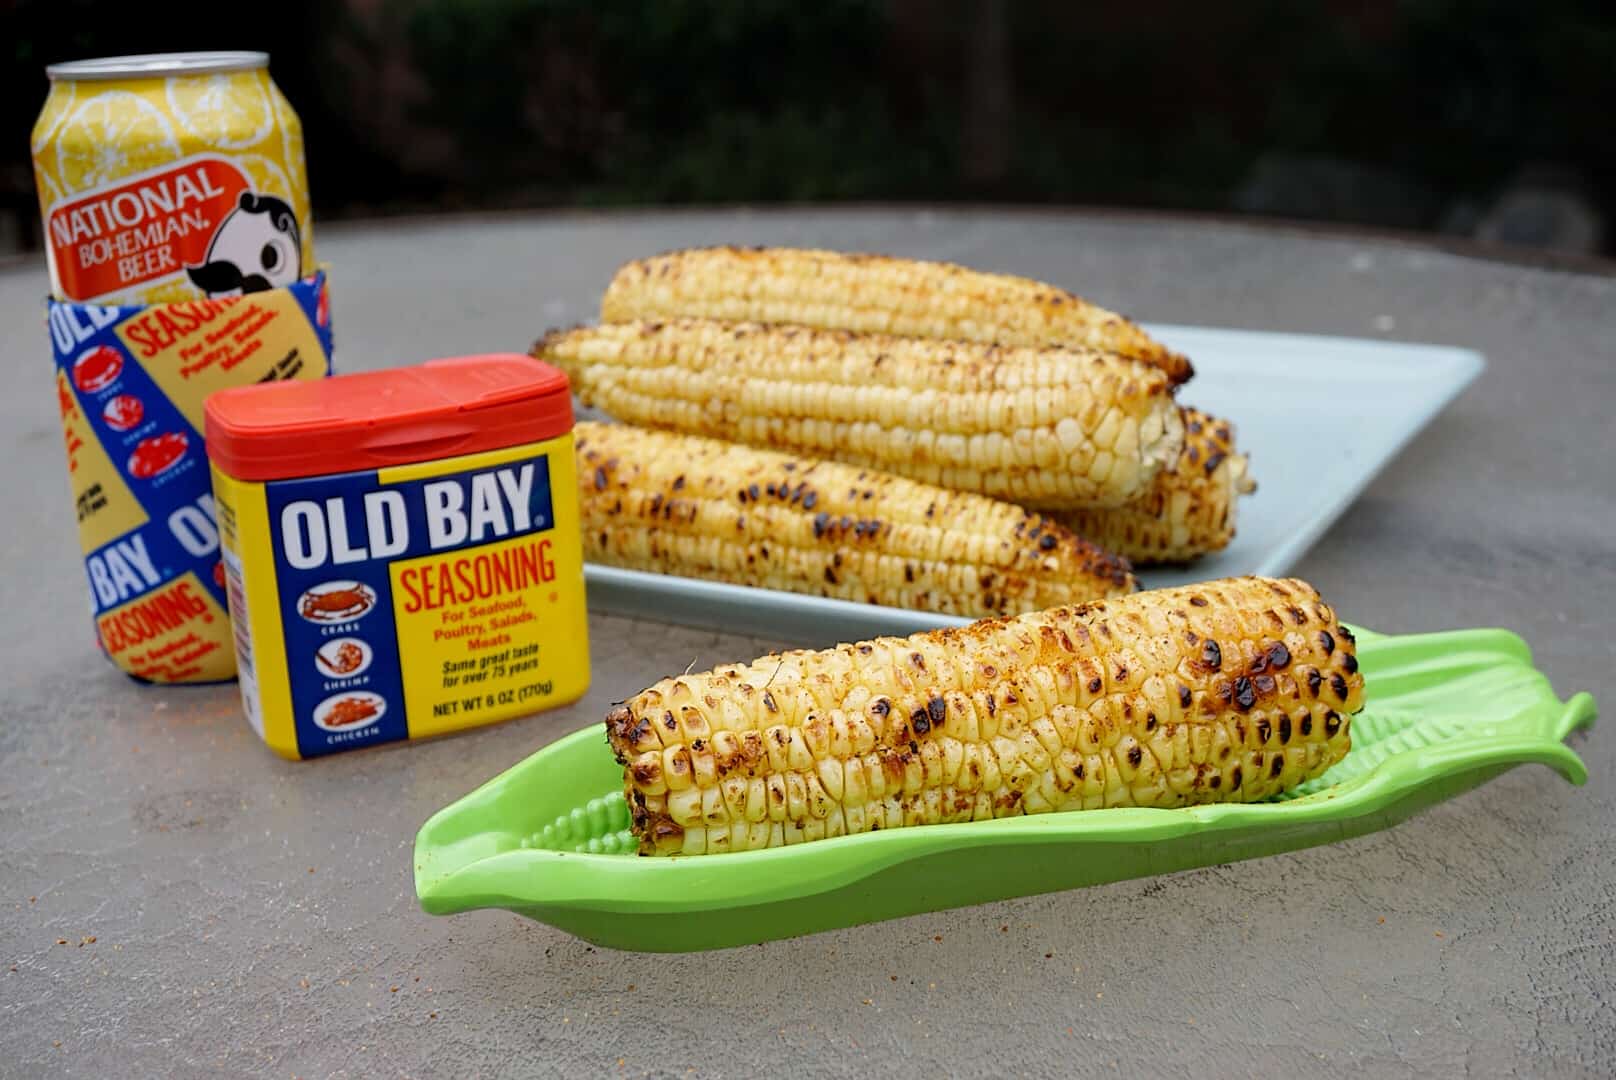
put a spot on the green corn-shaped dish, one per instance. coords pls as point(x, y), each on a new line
point(549, 838)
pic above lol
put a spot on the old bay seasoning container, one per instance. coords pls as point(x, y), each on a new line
point(401, 549)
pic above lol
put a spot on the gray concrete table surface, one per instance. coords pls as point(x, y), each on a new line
point(228, 913)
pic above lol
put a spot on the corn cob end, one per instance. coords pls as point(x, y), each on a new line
point(1191, 507)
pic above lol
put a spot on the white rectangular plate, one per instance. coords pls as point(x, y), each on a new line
point(1275, 387)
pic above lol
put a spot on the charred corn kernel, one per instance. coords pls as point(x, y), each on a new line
point(1190, 509)
point(681, 504)
point(906, 297)
point(1050, 426)
point(1225, 691)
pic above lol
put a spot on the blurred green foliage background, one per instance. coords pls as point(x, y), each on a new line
point(1424, 114)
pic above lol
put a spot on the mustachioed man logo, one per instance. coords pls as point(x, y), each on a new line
point(255, 247)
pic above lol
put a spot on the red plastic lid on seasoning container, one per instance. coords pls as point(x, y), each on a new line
point(373, 419)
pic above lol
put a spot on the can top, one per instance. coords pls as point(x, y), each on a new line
point(156, 65)
point(375, 419)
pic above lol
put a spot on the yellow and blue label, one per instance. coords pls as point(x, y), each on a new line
point(408, 601)
point(130, 386)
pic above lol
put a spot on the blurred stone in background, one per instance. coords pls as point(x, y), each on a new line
point(1546, 207)
point(1385, 113)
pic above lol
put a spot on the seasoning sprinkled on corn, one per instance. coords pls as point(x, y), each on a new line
point(1052, 427)
point(907, 297)
point(696, 507)
point(1226, 691)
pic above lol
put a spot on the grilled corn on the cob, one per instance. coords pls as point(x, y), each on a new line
point(679, 504)
point(1190, 509)
point(1042, 426)
point(906, 297)
point(1225, 691)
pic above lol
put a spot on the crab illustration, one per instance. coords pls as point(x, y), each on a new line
point(335, 605)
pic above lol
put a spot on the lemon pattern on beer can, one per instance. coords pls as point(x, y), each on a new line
point(111, 135)
point(94, 135)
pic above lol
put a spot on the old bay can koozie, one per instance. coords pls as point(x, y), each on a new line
point(130, 382)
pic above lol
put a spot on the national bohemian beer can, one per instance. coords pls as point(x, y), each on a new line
point(176, 217)
point(169, 177)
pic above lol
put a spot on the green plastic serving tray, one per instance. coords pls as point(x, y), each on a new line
point(549, 838)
